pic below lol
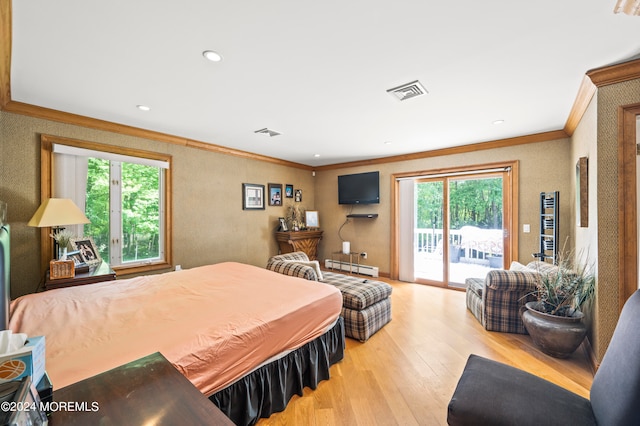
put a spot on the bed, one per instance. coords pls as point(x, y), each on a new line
point(235, 331)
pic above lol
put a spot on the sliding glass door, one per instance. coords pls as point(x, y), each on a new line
point(459, 227)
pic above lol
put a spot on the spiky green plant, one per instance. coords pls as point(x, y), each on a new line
point(566, 290)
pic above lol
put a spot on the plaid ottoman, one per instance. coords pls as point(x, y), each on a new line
point(366, 306)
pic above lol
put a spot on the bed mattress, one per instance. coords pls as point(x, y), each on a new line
point(214, 323)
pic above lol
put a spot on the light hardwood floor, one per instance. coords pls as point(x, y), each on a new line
point(406, 373)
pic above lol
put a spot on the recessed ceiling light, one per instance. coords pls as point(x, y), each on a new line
point(212, 56)
point(143, 108)
point(316, 155)
point(387, 142)
point(498, 122)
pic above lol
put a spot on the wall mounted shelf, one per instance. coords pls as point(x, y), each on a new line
point(364, 215)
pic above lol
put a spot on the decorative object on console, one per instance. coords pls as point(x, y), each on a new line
point(294, 217)
point(311, 219)
point(62, 269)
point(275, 194)
point(54, 213)
point(78, 261)
point(252, 196)
point(346, 247)
point(283, 225)
point(88, 250)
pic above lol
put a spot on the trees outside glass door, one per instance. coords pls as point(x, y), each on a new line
point(460, 228)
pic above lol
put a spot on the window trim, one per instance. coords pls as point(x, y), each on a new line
point(46, 180)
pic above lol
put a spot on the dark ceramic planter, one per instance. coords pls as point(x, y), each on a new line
point(554, 335)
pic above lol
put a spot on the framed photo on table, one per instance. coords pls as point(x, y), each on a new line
point(87, 248)
point(252, 196)
point(311, 219)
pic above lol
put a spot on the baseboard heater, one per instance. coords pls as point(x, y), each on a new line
point(372, 271)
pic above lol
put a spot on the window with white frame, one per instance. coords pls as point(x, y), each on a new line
point(124, 198)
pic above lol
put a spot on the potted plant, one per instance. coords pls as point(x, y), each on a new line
point(555, 320)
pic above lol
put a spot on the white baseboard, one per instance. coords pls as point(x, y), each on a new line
point(372, 271)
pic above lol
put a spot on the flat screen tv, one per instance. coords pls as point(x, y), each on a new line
point(360, 188)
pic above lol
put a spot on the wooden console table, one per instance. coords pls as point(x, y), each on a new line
point(306, 241)
point(147, 391)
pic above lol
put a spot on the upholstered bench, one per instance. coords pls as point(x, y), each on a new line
point(366, 304)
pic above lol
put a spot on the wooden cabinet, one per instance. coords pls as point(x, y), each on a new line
point(96, 274)
point(306, 241)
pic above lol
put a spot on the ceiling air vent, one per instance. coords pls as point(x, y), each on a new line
point(408, 91)
point(267, 131)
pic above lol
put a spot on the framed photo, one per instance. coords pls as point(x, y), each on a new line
point(252, 196)
point(283, 225)
point(288, 191)
point(298, 195)
point(311, 219)
point(76, 257)
point(87, 248)
point(275, 194)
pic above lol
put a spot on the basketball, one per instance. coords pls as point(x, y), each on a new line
point(11, 369)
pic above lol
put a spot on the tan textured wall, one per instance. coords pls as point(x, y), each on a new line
point(607, 309)
point(209, 224)
point(584, 144)
point(543, 167)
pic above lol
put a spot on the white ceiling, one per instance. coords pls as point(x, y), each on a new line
point(317, 72)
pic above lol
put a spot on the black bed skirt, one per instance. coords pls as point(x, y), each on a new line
point(268, 389)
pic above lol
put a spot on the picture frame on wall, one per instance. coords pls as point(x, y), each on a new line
point(252, 196)
point(582, 192)
point(311, 219)
point(275, 194)
point(88, 250)
point(288, 191)
point(298, 195)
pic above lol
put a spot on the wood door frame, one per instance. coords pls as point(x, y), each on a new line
point(510, 212)
point(627, 202)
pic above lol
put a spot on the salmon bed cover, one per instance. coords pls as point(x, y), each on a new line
point(214, 323)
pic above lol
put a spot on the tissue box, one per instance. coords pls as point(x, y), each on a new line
point(26, 361)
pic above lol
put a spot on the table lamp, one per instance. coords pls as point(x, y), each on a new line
point(56, 212)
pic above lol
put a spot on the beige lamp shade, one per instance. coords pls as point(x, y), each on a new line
point(630, 7)
point(57, 212)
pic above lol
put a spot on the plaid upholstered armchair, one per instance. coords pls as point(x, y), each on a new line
point(497, 299)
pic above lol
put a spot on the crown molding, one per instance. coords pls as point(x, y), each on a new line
point(594, 79)
point(583, 98)
point(613, 74)
point(108, 126)
point(462, 149)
